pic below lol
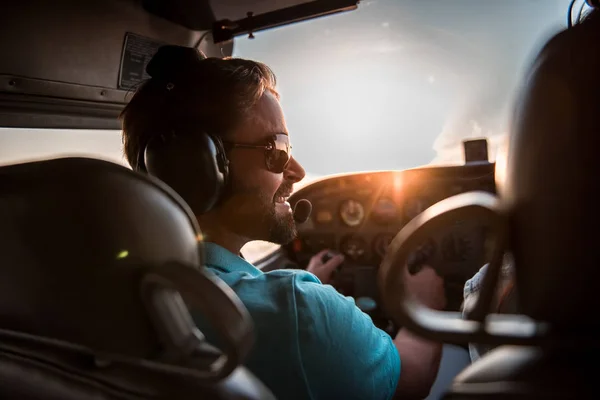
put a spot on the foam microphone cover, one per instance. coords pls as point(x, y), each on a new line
point(302, 211)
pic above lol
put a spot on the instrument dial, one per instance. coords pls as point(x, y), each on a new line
point(381, 244)
point(354, 246)
point(352, 212)
point(385, 210)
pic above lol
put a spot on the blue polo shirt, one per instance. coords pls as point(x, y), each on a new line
point(311, 342)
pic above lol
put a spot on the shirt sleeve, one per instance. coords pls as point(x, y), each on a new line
point(342, 353)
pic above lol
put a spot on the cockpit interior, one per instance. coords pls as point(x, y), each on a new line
point(455, 133)
point(359, 215)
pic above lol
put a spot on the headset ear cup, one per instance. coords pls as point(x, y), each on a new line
point(190, 165)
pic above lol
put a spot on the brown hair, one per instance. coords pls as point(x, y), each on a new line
point(214, 96)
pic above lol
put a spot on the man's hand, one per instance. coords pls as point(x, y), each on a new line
point(322, 270)
point(426, 287)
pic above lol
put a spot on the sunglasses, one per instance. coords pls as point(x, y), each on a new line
point(278, 151)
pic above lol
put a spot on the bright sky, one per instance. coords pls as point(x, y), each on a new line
point(393, 85)
point(400, 83)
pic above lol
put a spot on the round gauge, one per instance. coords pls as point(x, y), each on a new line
point(381, 243)
point(415, 206)
point(354, 246)
point(384, 210)
point(352, 212)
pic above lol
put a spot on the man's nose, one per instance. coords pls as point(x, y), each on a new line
point(294, 171)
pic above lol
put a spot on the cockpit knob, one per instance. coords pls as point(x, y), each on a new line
point(366, 304)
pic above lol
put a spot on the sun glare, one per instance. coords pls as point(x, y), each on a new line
point(398, 182)
point(501, 164)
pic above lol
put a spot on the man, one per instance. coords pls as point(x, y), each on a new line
point(312, 343)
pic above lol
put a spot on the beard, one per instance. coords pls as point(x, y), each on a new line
point(281, 228)
point(256, 215)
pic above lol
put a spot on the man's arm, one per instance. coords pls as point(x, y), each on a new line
point(420, 357)
point(342, 354)
point(420, 364)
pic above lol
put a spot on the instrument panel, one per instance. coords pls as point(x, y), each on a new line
point(360, 214)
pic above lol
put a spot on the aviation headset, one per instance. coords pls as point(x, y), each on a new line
point(194, 165)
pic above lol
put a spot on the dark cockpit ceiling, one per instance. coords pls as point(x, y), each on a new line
point(73, 64)
point(359, 214)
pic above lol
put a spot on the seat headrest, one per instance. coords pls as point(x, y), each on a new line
point(76, 236)
point(552, 180)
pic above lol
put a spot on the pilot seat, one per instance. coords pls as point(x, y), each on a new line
point(98, 266)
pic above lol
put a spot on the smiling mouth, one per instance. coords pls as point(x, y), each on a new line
point(282, 199)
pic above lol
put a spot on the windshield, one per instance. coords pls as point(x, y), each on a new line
point(394, 84)
point(22, 145)
point(397, 84)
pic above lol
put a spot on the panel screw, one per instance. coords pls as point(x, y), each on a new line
point(250, 14)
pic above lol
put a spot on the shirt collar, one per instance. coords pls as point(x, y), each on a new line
point(220, 258)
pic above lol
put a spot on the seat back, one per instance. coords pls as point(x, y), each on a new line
point(546, 219)
point(551, 181)
point(551, 189)
point(98, 266)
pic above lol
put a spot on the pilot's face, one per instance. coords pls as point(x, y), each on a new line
point(256, 204)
